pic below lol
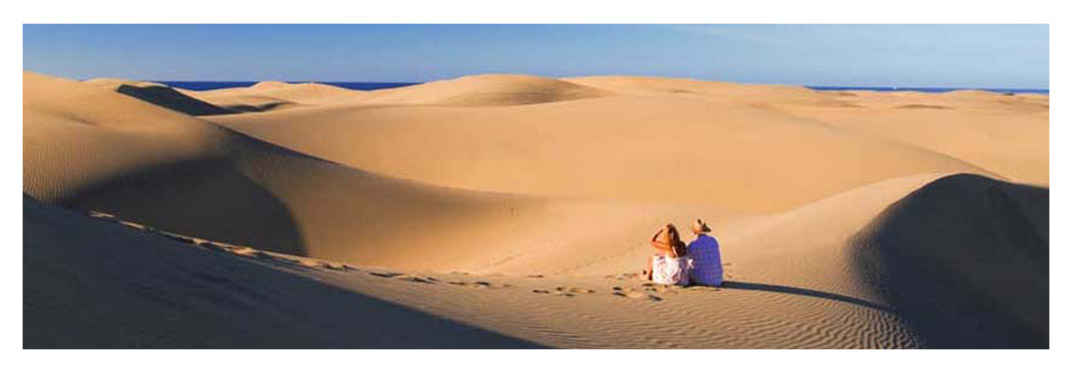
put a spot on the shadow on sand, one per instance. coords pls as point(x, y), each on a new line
point(207, 198)
point(93, 284)
point(804, 292)
point(965, 259)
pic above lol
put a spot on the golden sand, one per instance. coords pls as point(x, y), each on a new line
point(514, 211)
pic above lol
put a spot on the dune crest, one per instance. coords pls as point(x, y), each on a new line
point(967, 256)
point(776, 296)
point(68, 151)
point(272, 95)
point(485, 90)
point(270, 197)
point(160, 95)
point(175, 295)
point(359, 219)
point(632, 148)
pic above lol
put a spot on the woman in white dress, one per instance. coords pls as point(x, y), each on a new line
point(670, 265)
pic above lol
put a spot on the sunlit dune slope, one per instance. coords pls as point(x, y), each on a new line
point(484, 90)
point(98, 149)
point(528, 202)
point(76, 136)
point(625, 147)
point(266, 96)
point(164, 169)
point(793, 281)
point(1005, 134)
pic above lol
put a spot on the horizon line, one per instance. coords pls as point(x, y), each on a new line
point(415, 82)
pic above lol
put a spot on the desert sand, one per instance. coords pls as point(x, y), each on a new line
point(509, 211)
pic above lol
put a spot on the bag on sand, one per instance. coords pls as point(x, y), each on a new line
point(670, 271)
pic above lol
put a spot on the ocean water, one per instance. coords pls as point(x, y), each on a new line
point(372, 86)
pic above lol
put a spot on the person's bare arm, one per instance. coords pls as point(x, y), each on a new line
point(660, 246)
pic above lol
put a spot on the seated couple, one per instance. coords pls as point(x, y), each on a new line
point(676, 263)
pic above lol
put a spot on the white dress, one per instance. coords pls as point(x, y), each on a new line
point(670, 271)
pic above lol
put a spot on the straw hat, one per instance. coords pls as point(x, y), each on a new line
point(700, 227)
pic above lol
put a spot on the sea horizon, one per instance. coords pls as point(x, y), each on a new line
point(204, 85)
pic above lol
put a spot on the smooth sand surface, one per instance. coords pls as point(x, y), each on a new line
point(513, 211)
point(265, 96)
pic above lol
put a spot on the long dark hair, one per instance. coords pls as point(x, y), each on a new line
point(675, 239)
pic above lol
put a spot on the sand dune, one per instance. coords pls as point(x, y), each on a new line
point(513, 211)
point(160, 95)
point(751, 95)
point(236, 189)
point(265, 96)
point(969, 255)
point(110, 134)
point(623, 147)
point(194, 177)
point(1004, 134)
point(132, 289)
point(808, 296)
point(484, 90)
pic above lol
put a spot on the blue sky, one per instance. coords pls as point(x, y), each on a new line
point(989, 56)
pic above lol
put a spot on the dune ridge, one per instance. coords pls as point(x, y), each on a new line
point(807, 307)
point(136, 290)
point(978, 248)
point(160, 95)
point(730, 156)
point(484, 90)
point(514, 211)
point(266, 196)
point(270, 95)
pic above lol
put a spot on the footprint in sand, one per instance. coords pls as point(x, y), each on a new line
point(637, 295)
point(626, 276)
point(137, 226)
point(406, 277)
point(419, 279)
point(302, 262)
point(242, 251)
point(215, 247)
point(651, 287)
point(309, 263)
point(250, 253)
point(335, 266)
point(574, 290)
point(182, 239)
point(478, 284)
point(553, 292)
point(565, 291)
point(101, 215)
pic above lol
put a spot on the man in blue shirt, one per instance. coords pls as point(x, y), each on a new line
point(707, 263)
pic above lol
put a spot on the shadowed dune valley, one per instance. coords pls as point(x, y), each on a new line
point(537, 186)
point(515, 211)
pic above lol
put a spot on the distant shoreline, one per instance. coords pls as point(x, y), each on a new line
point(372, 86)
